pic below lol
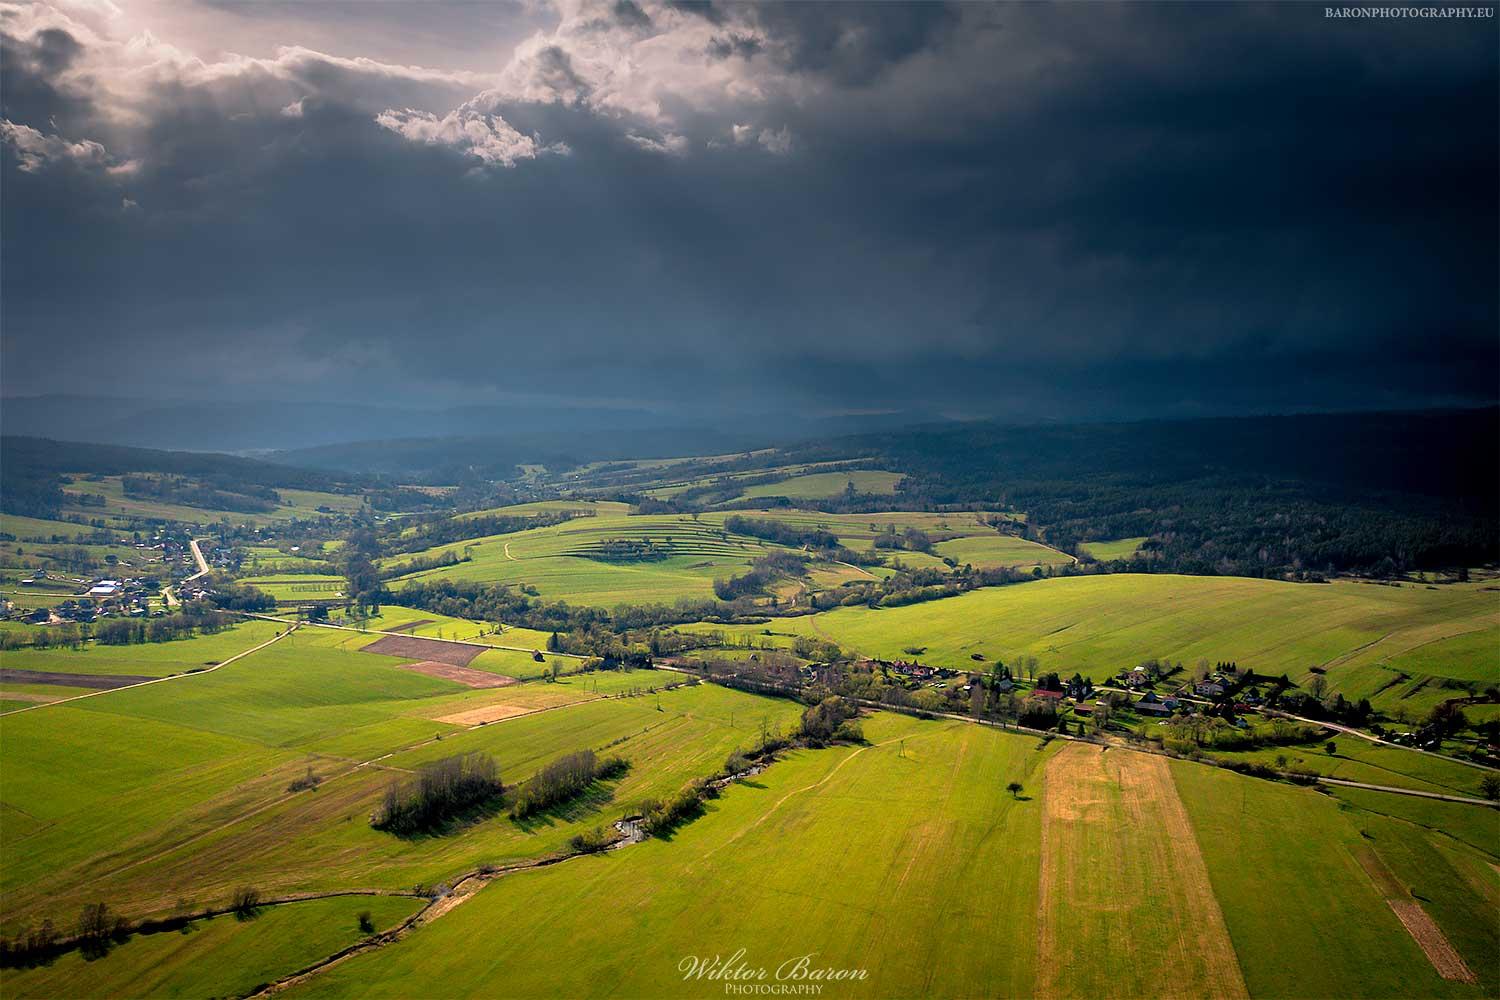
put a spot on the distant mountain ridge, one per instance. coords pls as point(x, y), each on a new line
point(296, 427)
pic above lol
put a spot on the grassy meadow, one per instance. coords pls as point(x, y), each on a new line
point(890, 853)
point(558, 560)
point(144, 797)
point(295, 505)
point(822, 485)
point(1119, 548)
point(221, 957)
point(1096, 625)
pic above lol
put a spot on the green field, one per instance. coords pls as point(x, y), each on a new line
point(28, 529)
point(991, 551)
point(220, 957)
point(821, 485)
point(1097, 625)
point(295, 505)
point(887, 855)
point(1120, 548)
point(292, 588)
point(146, 796)
point(557, 561)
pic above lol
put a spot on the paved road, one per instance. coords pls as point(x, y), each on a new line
point(1410, 791)
point(1350, 731)
point(198, 555)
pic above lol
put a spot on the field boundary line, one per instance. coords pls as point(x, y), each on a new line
point(158, 680)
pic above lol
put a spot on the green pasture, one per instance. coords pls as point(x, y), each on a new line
point(1097, 625)
point(879, 858)
point(1119, 548)
point(291, 588)
point(321, 840)
point(29, 529)
point(992, 550)
point(1361, 760)
point(147, 659)
point(295, 505)
point(556, 560)
point(821, 485)
point(601, 508)
point(393, 617)
point(179, 790)
point(220, 957)
point(1304, 916)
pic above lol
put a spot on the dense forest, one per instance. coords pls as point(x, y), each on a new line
point(1376, 492)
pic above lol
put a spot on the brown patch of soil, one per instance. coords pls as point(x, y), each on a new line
point(412, 647)
point(1434, 943)
point(101, 682)
point(486, 713)
point(409, 626)
point(1428, 935)
point(467, 676)
point(1118, 851)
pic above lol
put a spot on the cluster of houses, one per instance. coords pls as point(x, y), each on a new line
point(919, 673)
point(104, 598)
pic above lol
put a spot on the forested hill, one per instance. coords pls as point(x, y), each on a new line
point(31, 470)
point(1250, 496)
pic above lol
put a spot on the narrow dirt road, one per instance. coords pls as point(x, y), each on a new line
point(160, 680)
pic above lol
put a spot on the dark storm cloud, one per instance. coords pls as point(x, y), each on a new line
point(1026, 210)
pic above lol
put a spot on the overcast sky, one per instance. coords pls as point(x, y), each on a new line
point(1031, 211)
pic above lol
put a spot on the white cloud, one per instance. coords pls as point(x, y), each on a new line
point(778, 142)
point(489, 138)
point(669, 144)
point(293, 110)
point(35, 150)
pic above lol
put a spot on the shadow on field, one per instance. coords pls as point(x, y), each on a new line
point(457, 823)
point(592, 800)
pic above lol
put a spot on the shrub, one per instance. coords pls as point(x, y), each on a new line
point(246, 901)
point(590, 841)
point(366, 922)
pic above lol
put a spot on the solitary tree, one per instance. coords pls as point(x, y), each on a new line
point(1331, 747)
point(1490, 786)
point(1015, 789)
